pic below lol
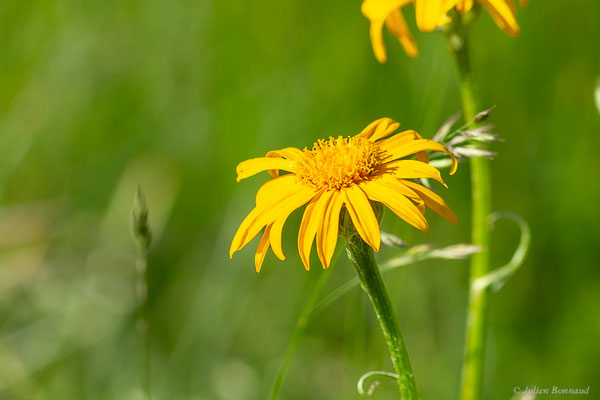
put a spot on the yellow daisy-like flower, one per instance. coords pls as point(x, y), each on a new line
point(429, 14)
point(341, 172)
point(388, 12)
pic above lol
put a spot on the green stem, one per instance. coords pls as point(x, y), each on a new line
point(142, 325)
point(477, 314)
point(142, 237)
point(301, 325)
point(371, 281)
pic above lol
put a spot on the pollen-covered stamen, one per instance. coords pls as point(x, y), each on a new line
point(339, 162)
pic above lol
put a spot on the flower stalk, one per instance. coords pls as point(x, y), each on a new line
point(143, 237)
point(362, 257)
point(477, 313)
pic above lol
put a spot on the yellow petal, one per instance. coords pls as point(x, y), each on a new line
point(274, 187)
point(328, 233)
point(275, 235)
point(411, 169)
point(449, 4)
point(513, 7)
point(503, 15)
point(464, 6)
point(400, 138)
point(433, 201)
point(312, 218)
point(377, 190)
point(291, 153)
point(405, 137)
point(377, 11)
point(263, 247)
point(379, 129)
point(267, 213)
point(428, 13)
point(399, 187)
point(380, 9)
point(320, 251)
point(384, 130)
point(306, 219)
point(362, 216)
point(368, 131)
point(396, 24)
point(399, 150)
point(253, 166)
point(377, 40)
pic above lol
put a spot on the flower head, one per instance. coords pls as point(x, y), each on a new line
point(341, 172)
point(429, 15)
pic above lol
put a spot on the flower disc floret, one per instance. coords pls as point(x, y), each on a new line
point(338, 162)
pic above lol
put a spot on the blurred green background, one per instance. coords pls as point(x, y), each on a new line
point(97, 97)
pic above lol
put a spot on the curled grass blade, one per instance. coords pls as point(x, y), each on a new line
point(361, 382)
point(498, 277)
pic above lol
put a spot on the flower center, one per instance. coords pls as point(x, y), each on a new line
point(338, 162)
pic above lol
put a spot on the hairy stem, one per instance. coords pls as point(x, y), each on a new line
point(371, 281)
point(477, 313)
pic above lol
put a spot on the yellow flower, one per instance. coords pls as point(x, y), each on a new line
point(429, 14)
point(388, 12)
point(341, 172)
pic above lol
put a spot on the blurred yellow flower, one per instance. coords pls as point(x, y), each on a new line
point(341, 172)
point(388, 12)
point(429, 14)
